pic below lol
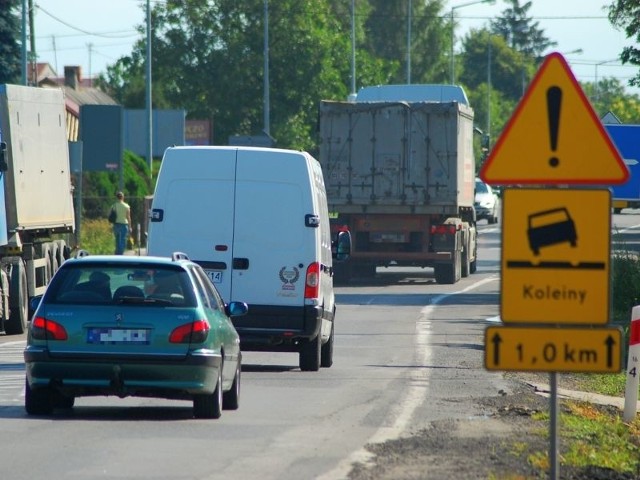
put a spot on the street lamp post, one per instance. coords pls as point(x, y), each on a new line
point(453, 9)
point(596, 93)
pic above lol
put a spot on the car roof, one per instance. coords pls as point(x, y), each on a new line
point(179, 259)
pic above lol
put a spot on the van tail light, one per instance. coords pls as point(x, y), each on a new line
point(44, 329)
point(312, 281)
point(193, 332)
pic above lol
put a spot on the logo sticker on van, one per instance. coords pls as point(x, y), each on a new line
point(289, 277)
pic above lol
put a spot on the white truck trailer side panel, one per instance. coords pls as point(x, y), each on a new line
point(38, 190)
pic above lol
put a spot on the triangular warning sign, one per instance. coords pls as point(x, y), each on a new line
point(554, 137)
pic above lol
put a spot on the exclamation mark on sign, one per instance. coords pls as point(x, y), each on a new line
point(554, 103)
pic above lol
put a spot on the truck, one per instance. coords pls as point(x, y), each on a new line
point(36, 197)
point(627, 140)
point(400, 175)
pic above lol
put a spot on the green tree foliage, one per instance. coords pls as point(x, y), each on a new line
point(625, 14)
point(520, 31)
point(610, 96)
point(101, 187)
point(208, 59)
point(9, 45)
point(387, 33)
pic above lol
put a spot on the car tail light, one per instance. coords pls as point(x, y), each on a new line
point(44, 329)
point(193, 332)
point(312, 281)
point(443, 229)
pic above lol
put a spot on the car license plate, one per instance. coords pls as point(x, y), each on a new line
point(118, 335)
point(214, 275)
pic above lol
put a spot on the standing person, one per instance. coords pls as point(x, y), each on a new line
point(122, 223)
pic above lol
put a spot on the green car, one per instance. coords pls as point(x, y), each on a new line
point(133, 326)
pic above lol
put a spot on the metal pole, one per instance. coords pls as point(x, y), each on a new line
point(148, 100)
point(266, 105)
point(24, 42)
point(553, 427)
point(409, 43)
point(489, 89)
point(353, 47)
point(451, 66)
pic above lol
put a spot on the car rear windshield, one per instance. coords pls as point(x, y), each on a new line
point(118, 284)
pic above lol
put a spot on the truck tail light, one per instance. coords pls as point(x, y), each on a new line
point(44, 329)
point(193, 332)
point(444, 229)
point(312, 281)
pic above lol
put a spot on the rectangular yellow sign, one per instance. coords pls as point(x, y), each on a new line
point(553, 349)
point(555, 256)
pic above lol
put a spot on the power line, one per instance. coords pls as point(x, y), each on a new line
point(73, 27)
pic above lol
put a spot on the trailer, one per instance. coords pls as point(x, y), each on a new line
point(400, 177)
point(36, 196)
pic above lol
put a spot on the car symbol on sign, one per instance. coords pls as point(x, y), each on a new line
point(550, 227)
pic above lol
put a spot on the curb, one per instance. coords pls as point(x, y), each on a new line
point(545, 391)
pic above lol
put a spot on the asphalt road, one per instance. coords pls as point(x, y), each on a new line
point(407, 352)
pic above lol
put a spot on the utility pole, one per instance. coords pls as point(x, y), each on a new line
point(148, 96)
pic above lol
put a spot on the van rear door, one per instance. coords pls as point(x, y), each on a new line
point(193, 210)
point(272, 246)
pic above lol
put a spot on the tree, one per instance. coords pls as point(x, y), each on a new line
point(626, 14)
point(386, 39)
point(520, 32)
point(610, 96)
point(10, 64)
point(208, 60)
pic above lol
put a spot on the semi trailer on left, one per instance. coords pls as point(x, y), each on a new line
point(36, 196)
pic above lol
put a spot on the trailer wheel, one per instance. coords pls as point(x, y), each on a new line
point(18, 299)
point(64, 252)
point(465, 268)
point(449, 273)
point(55, 258)
point(342, 273)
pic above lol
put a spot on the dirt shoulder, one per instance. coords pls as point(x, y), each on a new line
point(495, 446)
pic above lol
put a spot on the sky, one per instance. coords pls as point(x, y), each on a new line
point(94, 34)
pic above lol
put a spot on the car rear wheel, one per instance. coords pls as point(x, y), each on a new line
point(38, 401)
point(209, 405)
point(310, 355)
point(231, 399)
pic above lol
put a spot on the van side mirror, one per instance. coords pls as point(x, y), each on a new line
point(342, 246)
point(3, 157)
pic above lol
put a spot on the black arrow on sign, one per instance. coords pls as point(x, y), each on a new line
point(497, 340)
point(610, 342)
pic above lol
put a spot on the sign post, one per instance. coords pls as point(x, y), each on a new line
point(556, 242)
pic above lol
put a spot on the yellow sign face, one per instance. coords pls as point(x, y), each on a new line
point(551, 349)
point(554, 137)
point(555, 256)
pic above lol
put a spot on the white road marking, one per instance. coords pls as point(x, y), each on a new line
point(414, 394)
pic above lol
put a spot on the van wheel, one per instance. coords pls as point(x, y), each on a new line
point(326, 353)
point(310, 355)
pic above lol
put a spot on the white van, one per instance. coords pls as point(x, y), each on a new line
point(256, 220)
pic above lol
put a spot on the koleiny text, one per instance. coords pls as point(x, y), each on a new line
point(549, 292)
